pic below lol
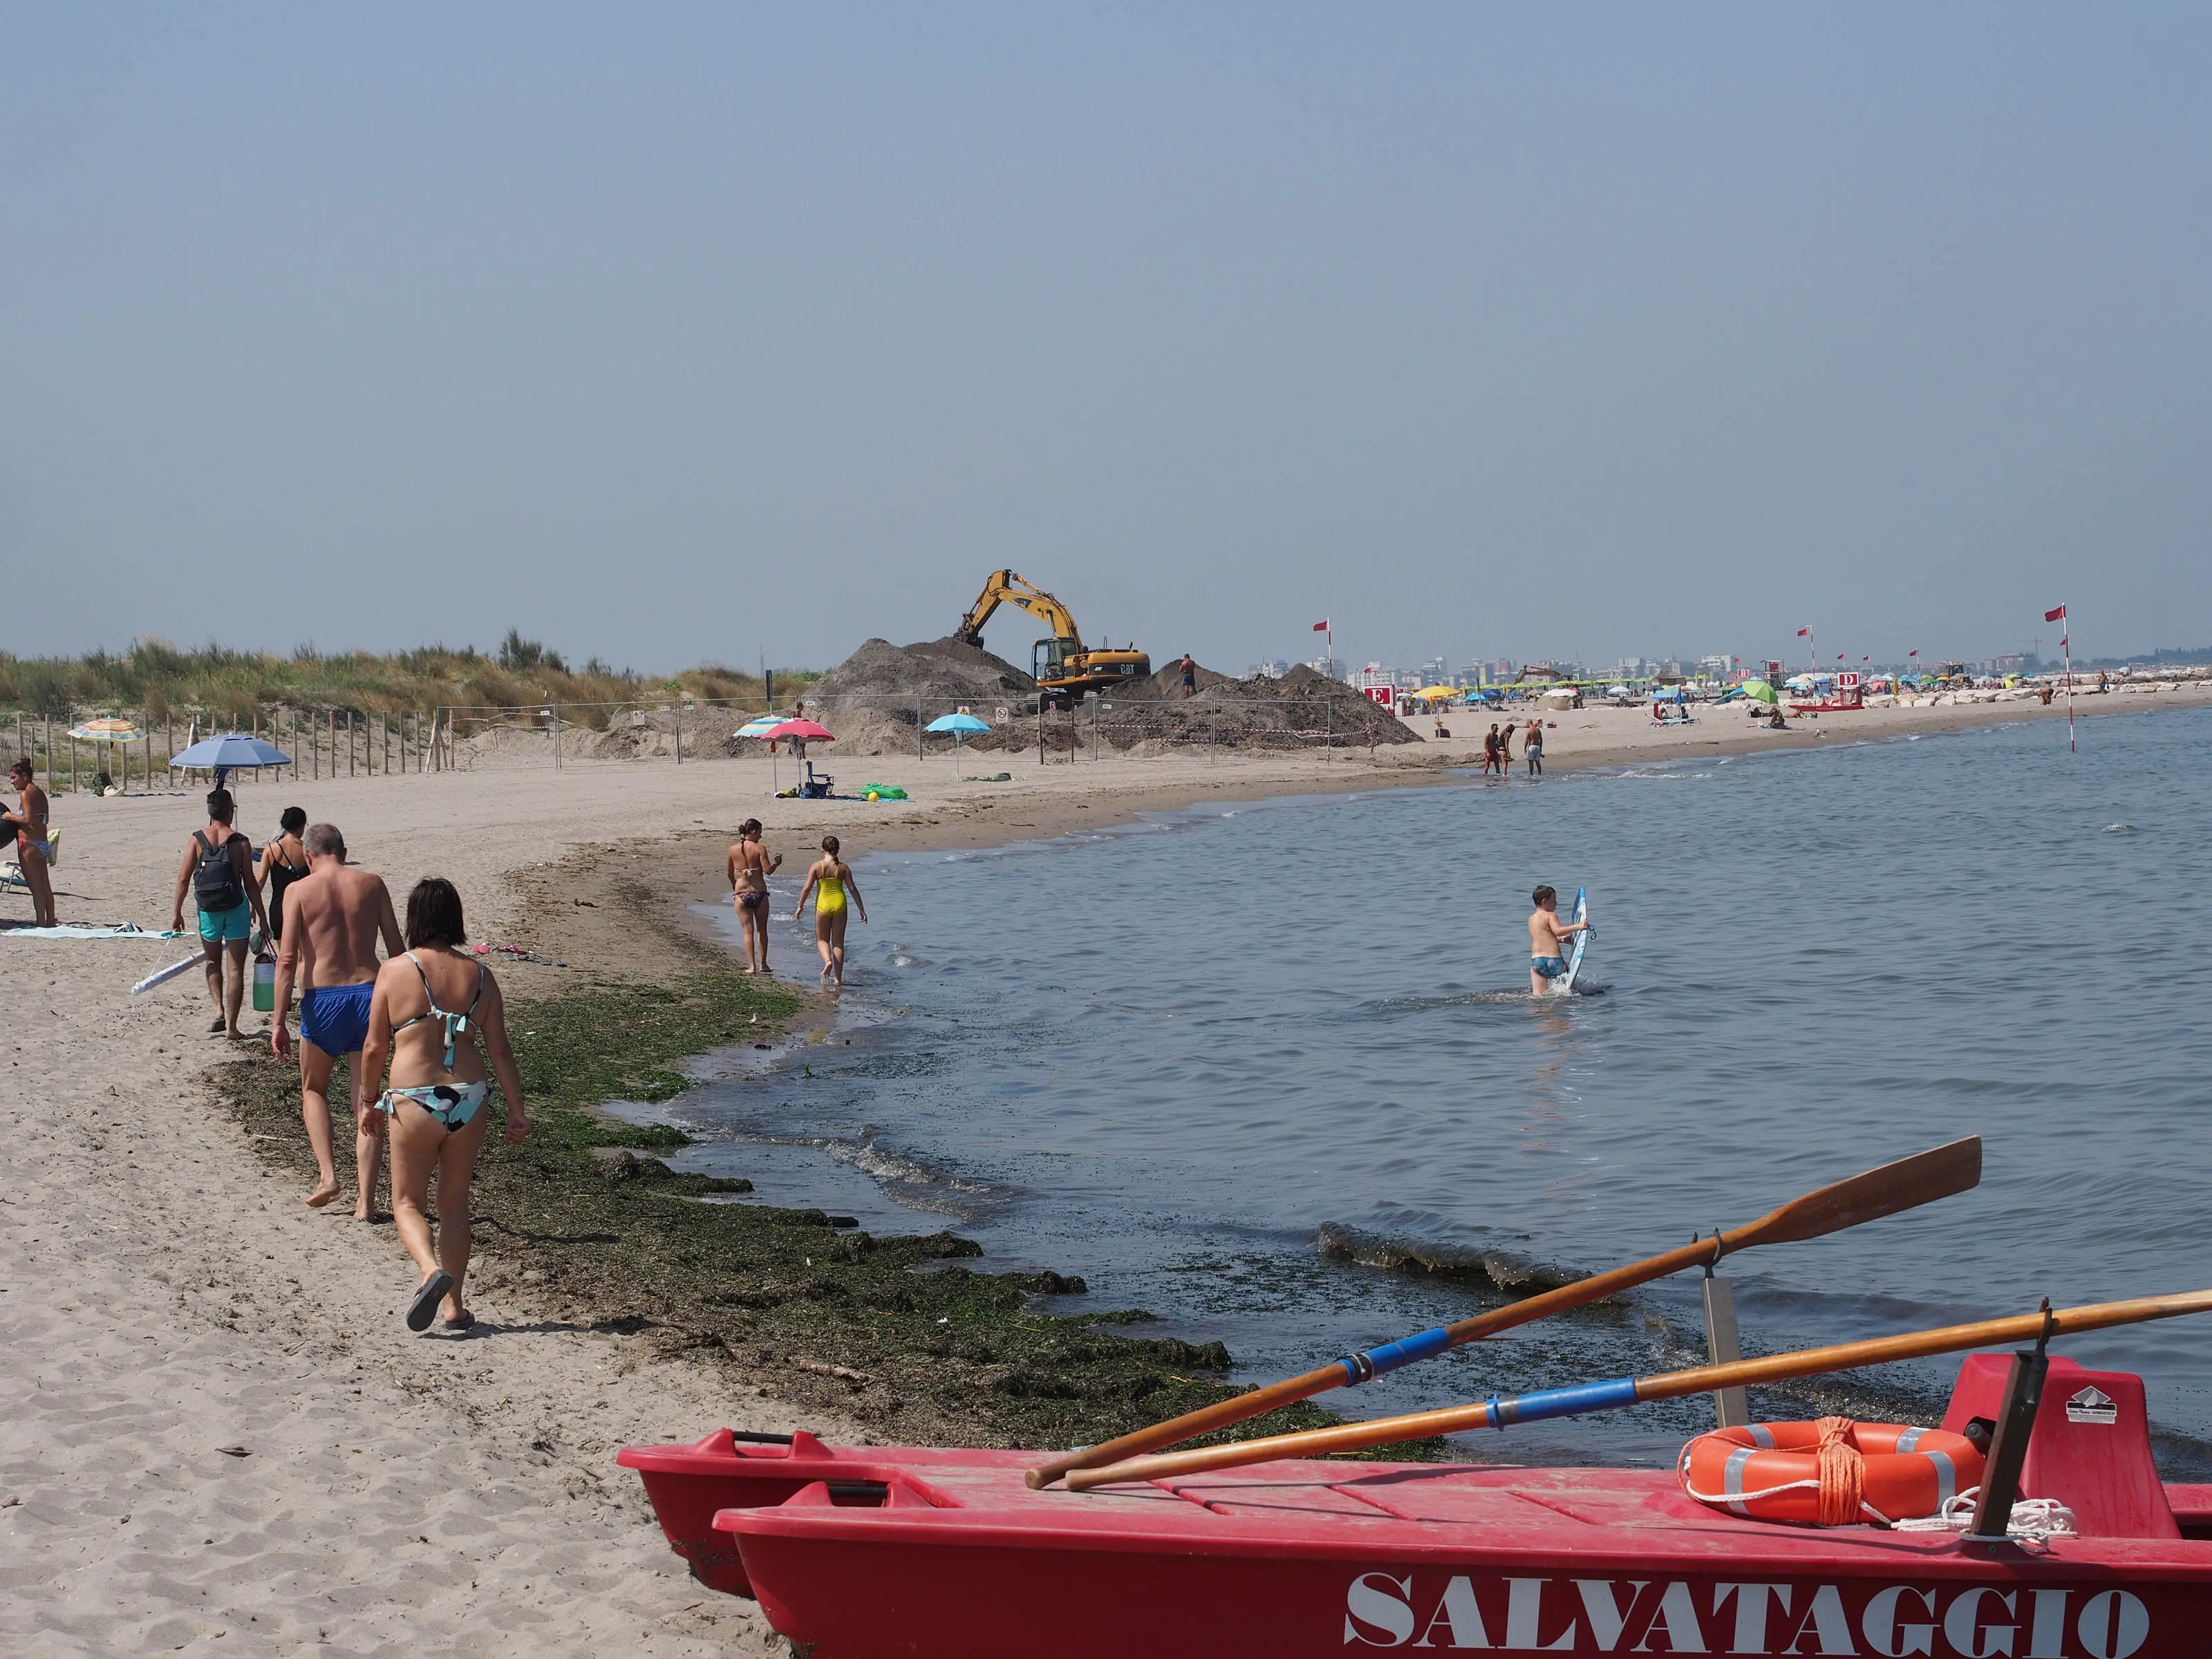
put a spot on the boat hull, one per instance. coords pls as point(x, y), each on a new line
point(855, 1552)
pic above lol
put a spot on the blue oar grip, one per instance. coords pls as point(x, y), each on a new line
point(1562, 1402)
point(1365, 1367)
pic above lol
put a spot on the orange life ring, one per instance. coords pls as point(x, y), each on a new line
point(1832, 1473)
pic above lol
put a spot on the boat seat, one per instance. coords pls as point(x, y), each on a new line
point(2090, 1449)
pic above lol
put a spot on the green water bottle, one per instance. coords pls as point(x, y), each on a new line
point(264, 984)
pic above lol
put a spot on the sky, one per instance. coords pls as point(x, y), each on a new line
point(669, 334)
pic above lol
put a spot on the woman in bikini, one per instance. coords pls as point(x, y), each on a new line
point(830, 881)
point(749, 868)
point(426, 1005)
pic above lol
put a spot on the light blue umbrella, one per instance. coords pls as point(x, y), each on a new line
point(959, 725)
point(760, 726)
point(228, 751)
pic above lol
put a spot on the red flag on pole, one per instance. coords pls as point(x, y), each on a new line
point(2058, 615)
point(1320, 628)
point(1804, 633)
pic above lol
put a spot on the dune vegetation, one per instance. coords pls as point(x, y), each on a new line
point(217, 685)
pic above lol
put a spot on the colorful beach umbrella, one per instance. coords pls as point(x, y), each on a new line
point(959, 724)
point(1758, 691)
point(108, 730)
point(806, 731)
point(759, 727)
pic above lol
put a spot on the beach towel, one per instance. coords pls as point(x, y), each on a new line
point(126, 930)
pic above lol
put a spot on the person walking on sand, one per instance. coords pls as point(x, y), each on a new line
point(1532, 748)
point(830, 880)
point(1548, 941)
point(218, 867)
point(798, 745)
point(333, 919)
point(283, 861)
point(425, 1006)
point(750, 867)
point(34, 847)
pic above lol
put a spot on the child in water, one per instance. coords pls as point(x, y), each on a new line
point(1548, 941)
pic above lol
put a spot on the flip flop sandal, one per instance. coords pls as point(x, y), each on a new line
point(424, 1308)
point(467, 1321)
point(217, 1029)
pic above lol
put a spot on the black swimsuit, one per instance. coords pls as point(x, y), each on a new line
point(281, 876)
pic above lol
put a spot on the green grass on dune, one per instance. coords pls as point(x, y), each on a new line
point(156, 681)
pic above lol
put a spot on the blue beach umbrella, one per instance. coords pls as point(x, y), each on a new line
point(230, 751)
point(959, 725)
point(760, 726)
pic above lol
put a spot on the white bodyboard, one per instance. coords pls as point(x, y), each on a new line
point(1575, 951)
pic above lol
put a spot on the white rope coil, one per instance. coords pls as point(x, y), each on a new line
point(2037, 1520)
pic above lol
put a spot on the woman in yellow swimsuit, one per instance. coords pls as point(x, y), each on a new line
point(830, 880)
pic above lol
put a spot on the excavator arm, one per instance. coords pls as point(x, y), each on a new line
point(1007, 588)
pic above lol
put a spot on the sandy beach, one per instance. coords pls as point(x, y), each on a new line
point(218, 1436)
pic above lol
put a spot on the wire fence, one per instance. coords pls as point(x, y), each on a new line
point(896, 723)
point(317, 743)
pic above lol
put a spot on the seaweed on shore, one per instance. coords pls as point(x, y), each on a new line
point(785, 1302)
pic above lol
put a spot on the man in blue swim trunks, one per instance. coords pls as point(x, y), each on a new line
point(333, 918)
point(1547, 942)
point(218, 869)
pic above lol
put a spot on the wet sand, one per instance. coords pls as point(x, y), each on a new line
point(163, 1296)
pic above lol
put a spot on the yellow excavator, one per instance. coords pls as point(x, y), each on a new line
point(1063, 667)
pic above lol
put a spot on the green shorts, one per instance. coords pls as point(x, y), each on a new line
point(217, 925)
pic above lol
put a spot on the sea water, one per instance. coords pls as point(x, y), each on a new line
point(1167, 1057)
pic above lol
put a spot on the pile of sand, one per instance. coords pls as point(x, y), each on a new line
point(876, 698)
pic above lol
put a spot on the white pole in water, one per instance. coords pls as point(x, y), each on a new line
point(2066, 645)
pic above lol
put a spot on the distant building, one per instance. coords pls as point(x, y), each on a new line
point(1716, 668)
point(1268, 671)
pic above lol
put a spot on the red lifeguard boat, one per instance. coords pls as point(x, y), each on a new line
point(859, 1552)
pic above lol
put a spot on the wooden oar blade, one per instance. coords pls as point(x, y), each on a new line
point(1904, 1185)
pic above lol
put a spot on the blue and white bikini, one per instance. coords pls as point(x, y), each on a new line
point(452, 1104)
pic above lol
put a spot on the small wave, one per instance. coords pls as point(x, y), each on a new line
point(1514, 1275)
point(2119, 829)
point(886, 1166)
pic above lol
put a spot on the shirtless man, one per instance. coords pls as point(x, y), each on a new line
point(218, 868)
point(333, 917)
point(749, 868)
point(1548, 941)
point(34, 846)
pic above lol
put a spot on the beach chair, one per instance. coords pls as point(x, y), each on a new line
point(817, 785)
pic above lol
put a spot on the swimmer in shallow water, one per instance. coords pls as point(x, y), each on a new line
point(1547, 942)
point(830, 880)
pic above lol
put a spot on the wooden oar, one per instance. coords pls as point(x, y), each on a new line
point(1634, 1390)
point(1904, 1185)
